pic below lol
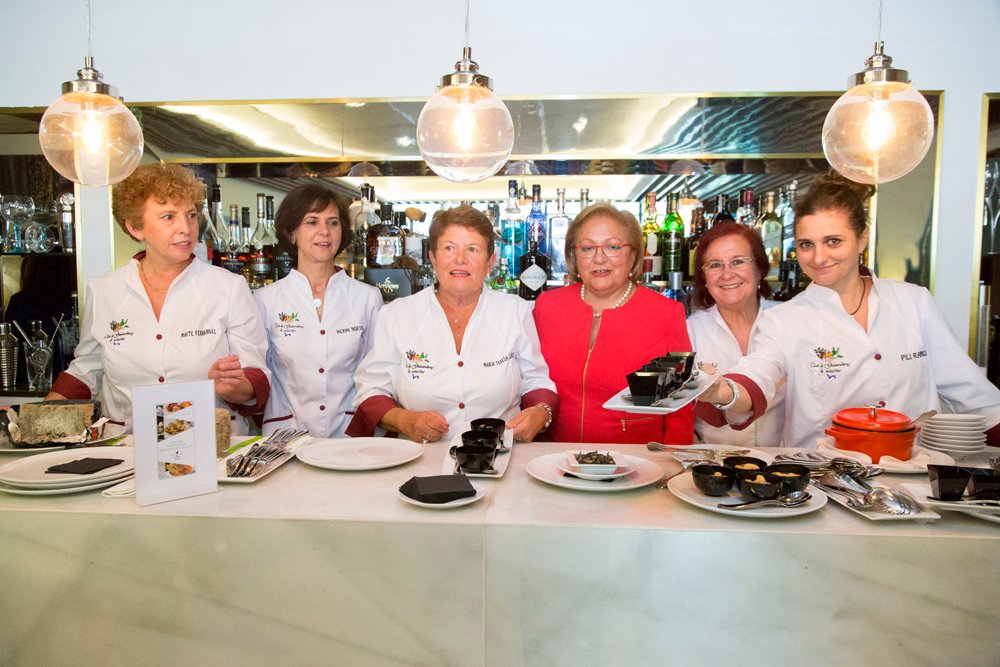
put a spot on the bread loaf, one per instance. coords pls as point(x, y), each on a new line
point(41, 422)
point(223, 431)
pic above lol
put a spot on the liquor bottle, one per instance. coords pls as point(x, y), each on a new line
point(745, 214)
point(67, 236)
point(512, 236)
point(245, 235)
point(219, 220)
point(558, 226)
point(270, 237)
point(584, 198)
point(675, 288)
point(385, 241)
point(788, 219)
point(537, 223)
point(697, 229)
point(425, 275)
point(722, 213)
point(534, 271)
point(257, 238)
point(208, 238)
point(230, 258)
point(501, 279)
point(364, 219)
point(772, 234)
point(261, 264)
point(793, 288)
point(672, 236)
point(653, 251)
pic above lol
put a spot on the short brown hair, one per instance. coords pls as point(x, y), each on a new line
point(833, 192)
point(628, 223)
point(305, 199)
point(463, 216)
point(163, 182)
point(700, 296)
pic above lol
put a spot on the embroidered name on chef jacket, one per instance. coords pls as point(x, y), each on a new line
point(288, 324)
point(829, 362)
point(119, 332)
point(502, 360)
point(910, 356)
point(417, 363)
point(197, 332)
point(355, 329)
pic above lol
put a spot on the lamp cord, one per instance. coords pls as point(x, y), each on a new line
point(878, 23)
point(90, 50)
point(467, 3)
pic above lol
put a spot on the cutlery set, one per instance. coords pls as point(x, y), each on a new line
point(256, 459)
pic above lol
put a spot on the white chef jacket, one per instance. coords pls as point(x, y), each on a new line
point(908, 358)
point(715, 344)
point(414, 361)
point(207, 314)
point(313, 361)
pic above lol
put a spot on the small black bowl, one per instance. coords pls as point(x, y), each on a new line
point(713, 480)
point(644, 387)
point(984, 483)
point(768, 489)
point(735, 462)
point(794, 477)
point(948, 482)
point(490, 424)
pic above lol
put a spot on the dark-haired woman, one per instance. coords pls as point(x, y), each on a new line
point(850, 339)
point(731, 293)
point(318, 319)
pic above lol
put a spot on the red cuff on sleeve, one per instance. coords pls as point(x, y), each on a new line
point(261, 392)
point(369, 414)
point(993, 436)
point(537, 396)
point(756, 397)
point(71, 387)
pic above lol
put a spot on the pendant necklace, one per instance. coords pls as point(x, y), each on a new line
point(317, 303)
point(864, 290)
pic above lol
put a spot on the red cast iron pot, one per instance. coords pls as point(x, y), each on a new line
point(874, 432)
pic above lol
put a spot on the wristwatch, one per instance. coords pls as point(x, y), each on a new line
point(736, 394)
point(548, 411)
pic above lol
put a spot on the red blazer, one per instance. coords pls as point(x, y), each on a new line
point(647, 326)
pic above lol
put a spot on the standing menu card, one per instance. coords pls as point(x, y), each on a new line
point(174, 430)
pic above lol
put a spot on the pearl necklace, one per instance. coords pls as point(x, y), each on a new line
point(622, 299)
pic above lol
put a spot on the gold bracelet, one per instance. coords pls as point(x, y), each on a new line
point(548, 411)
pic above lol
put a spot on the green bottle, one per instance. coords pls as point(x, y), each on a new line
point(672, 236)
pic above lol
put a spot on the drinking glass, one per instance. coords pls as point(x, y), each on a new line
point(15, 209)
point(38, 358)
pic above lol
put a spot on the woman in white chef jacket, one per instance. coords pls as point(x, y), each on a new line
point(850, 339)
point(165, 317)
point(458, 352)
point(731, 294)
point(318, 319)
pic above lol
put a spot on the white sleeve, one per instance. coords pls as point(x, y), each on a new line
point(88, 358)
point(767, 365)
point(378, 372)
point(245, 331)
point(368, 337)
point(534, 370)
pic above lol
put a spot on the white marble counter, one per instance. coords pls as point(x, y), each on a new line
point(333, 568)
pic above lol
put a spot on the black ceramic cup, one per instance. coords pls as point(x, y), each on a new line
point(948, 482)
point(490, 424)
point(480, 438)
point(752, 489)
point(644, 387)
point(713, 480)
point(984, 483)
point(475, 458)
point(794, 477)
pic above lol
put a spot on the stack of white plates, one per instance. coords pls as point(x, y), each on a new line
point(957, 435)
point(27, 476)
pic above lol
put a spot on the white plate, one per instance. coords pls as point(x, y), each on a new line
point(957, 419)
point(570, 465)
point(926, 514)
point(922, 490)
point(500, 462)
point(954, 428)
point(480, 494)
point(111, 431)
point(934, 443)
point(359, 453)
point(684, 458)
point(81, 480)
point(962, 441)
point(546, 469)
point(31, 470)
point(825, 447)
point(19, 491)
point(683, 487)
point(220, 466)
point(695, 389)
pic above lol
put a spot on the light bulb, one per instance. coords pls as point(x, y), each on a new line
point(465, 132)
point(881, 128)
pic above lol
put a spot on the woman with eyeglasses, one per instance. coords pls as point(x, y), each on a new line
point(601, 327)
point(850, 339)
point(730, 293)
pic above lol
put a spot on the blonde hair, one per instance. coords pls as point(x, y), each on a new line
point(163, 182)
point(628, 223)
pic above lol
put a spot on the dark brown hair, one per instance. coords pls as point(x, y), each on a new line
point(700, 297)
point(833, 192)
point(633, 236)
point(306, 199)
point(163, 182)
point(463, 216)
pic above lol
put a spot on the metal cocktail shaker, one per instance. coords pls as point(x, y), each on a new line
point(8, 357)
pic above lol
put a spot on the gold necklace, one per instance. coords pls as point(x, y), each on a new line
point(145, 280)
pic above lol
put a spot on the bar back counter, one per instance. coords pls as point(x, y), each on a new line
point(315, 567)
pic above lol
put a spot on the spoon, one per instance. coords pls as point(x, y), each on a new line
point(926, 415)
point(793, 499)
point(888, 500)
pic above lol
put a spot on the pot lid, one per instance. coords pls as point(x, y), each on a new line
point(871, 418)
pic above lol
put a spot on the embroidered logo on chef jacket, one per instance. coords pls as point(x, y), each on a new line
point(288, 324)
point(417, 363)
point(829, 363)
point(118, 332)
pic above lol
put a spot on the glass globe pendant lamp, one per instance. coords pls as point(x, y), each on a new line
point(881, 128)
point(88, 135)
point(465, 132)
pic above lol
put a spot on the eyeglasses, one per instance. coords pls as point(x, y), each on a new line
point(735, 264)
point(610, 249)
